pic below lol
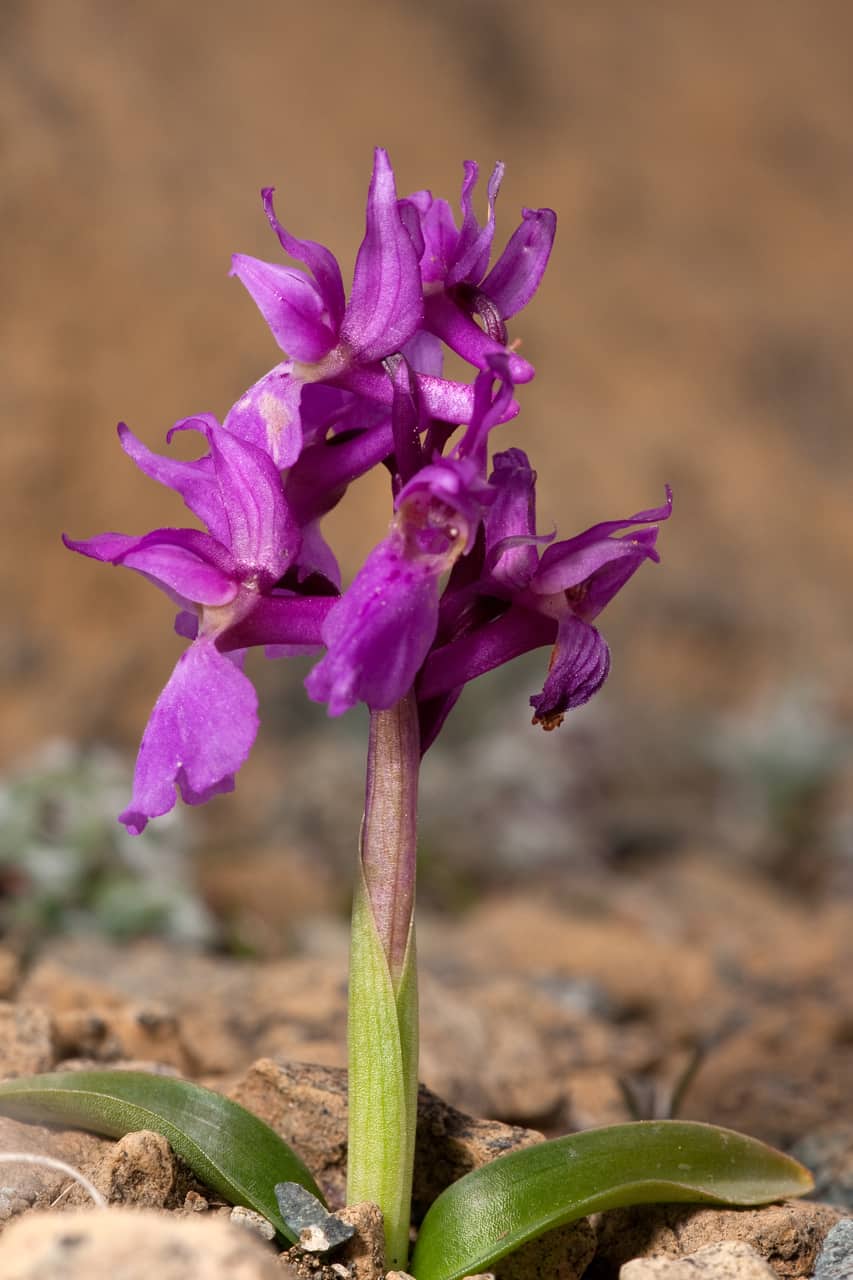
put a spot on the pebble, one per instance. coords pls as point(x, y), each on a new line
point(134, 1244)
point(725, 1260)
point(249, 1220)
point(835, 1260)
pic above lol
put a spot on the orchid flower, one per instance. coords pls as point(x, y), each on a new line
point(334, 376)
point(516, 600)
point(227, 584)
point(459, 289)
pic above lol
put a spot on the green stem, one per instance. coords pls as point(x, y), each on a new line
point(383, 1011)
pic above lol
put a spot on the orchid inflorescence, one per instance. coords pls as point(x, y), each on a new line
point(461, 583)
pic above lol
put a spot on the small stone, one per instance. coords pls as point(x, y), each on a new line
point(314, 1239)
point(134, 1244)
point(195, 1202)
point(141, 1169)
point(835, 1261)
point(250, 1220)
point(726, 1260)
point(404, 1275)
point(788, 1235)
point(319, 1231)
point(26, 1040)
point(364, 1254)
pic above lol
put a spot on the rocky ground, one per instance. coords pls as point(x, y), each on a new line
point(542, 1011)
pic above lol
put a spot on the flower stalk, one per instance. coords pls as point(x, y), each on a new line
point(383, 1003)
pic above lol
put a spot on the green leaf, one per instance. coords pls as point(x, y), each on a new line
point(227, 1147)
point(383, 1049)
point(496, 1209)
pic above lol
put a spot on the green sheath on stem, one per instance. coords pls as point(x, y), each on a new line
point(383, 1002)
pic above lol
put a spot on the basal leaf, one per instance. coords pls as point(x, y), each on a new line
point(227, 1147)
point(496, 1209)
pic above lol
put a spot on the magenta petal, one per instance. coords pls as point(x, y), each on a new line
point(516, 275)
point(490, 646)
point(199, 734)
point(471, 257)
point(579, 666)
point(319, 260)
point(386, 304)
point(265, 537)
point(281, 620)
point(600, 561)
point(378, 633)
point(185, 563)
point(268, 416)
point(449, 401)
point(424, 353)
point(440, 240)
point(290, 304)
point(195, 481)
point(464, 336)
point(511, 554)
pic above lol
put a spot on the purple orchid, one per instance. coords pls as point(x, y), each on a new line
point(227, 584)
point(380, 631)
point(336, 348)
point(520, 601)
point(459, 289)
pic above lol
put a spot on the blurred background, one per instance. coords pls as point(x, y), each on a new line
point(694, 327)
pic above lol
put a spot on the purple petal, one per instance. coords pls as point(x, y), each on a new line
point(386, 304)
point(187, 564)
point(319, 260)
point(199, 734)
point(281, 620)
point(268, 416)
point(406, 417)
point(511, 553)
point(291, 305)
point(378, 633)
point(194, 481)
point(323, 471)
point(449, 401)
point(516, 275)
point(463, 335)
point(471, 256)
point(579, 665)
point(410, 216)
point(595, 564)
point(454, 664)
point(265, 537)
point(489, 409)
point(440, 236)
point(424, 353)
